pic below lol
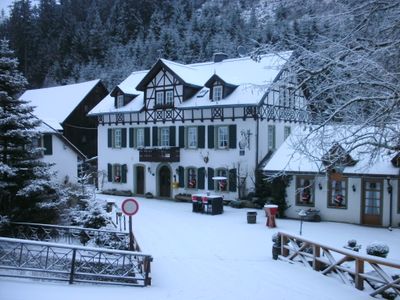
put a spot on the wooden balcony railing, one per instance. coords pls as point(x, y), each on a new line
point(352, 268)
point(171, 154)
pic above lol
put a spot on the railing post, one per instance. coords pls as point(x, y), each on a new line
point(358, 280)
point(316, 255)
point(284, 241)
point(147, 270)
point(71, 274)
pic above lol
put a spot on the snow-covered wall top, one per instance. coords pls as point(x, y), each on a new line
point(53, 105)
point(252, 78)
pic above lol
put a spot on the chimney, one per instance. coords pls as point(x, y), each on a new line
point(219, 56)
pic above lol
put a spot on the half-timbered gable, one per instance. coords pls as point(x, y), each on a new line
point(189, 123)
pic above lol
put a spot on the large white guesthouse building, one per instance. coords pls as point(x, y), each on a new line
point(171, 129)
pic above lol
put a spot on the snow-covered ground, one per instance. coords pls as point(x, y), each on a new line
point(200, 256)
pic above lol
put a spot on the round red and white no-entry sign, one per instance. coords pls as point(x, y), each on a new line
point(130, 206)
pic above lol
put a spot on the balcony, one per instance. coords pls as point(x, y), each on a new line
point(159, 154)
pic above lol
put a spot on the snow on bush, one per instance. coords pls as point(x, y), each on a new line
point(378, 249)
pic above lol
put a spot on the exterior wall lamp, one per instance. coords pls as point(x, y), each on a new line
point(353, 188)
point(320, 185)
point(149, 170)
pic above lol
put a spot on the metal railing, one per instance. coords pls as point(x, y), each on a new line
point(71, 235)
point(51, 261)
point(382, 275)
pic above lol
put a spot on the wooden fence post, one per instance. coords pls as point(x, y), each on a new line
point(358, 280)
point(316, 255)
point(284, 241)
point(71, 274)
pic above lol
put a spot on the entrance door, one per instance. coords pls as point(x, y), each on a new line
point(371, 209)
point(140, 180)
point(165, 182)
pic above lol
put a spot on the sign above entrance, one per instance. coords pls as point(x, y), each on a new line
point(130, 206)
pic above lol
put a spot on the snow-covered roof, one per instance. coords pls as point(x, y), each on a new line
point(252, 78)
point(297, 156)
point(53, 105)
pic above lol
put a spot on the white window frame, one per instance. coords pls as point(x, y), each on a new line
point(160, 98)
point(164, 136)
point(139, 137)
point(189, 175)
point(169, 97)
point(217, 92)
point(192, 137)
point(120, 101)
point(117, 138)
point(117, 173)
point(222, 137)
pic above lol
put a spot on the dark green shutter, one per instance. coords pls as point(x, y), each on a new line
point(48, 144)
point(124, 169)
point(123, 137)
point(200, 180)
point(131, 135)
point(201, 136)
point(155, 136)
point(232, 136)
point(109, 134)
point(232, 180)
point(181, 136)
point(210, 175)
point(147, 136)
point(109, 172)
point(172, 139)
point(210, 136)
point(181, 175)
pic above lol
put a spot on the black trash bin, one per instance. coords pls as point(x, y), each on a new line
point(251, 217)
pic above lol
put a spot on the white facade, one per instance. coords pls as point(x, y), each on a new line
point(181, 125)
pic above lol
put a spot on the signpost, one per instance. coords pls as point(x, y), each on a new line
point(130, 207)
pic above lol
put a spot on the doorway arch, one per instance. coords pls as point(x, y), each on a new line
point(164, 181)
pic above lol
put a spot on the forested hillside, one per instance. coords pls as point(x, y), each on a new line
point(59, 42)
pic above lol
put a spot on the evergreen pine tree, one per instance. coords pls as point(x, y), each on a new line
point(24, 180)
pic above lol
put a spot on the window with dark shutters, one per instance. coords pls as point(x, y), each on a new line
point(181, 136)
point(123, 173)
point(155, 136)
point(131, 137)
point(201, 137)
point(48, 144)
point(210, 136)
point(109, 172)
point(147, 137)
point(210, 175)
point(172, 142)
point(201, 175)
point(232, 180)
point(181, 174)
point(232, 136)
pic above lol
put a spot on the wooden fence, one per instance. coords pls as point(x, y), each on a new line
point(352, 268)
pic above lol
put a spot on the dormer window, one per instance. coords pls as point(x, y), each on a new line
point(164, 99)
point(120, 101)
point(217, 92)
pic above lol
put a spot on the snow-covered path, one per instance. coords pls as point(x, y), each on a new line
point(200, 256)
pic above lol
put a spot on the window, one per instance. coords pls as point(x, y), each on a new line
point(271, 137)
point(217, 92)
point(305, 190)
point(222, 137)
point(116, 173)
point(139, 137)
point(222, 185)
point(169, 98)
point(337, 196)
point(192, 137)
point(120, 101)
point(117, 138)
point(191, 181)
point(164, 136)
point(160, 98)
point(286, 132)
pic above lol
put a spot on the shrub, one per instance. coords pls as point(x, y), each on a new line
point(378, 249)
